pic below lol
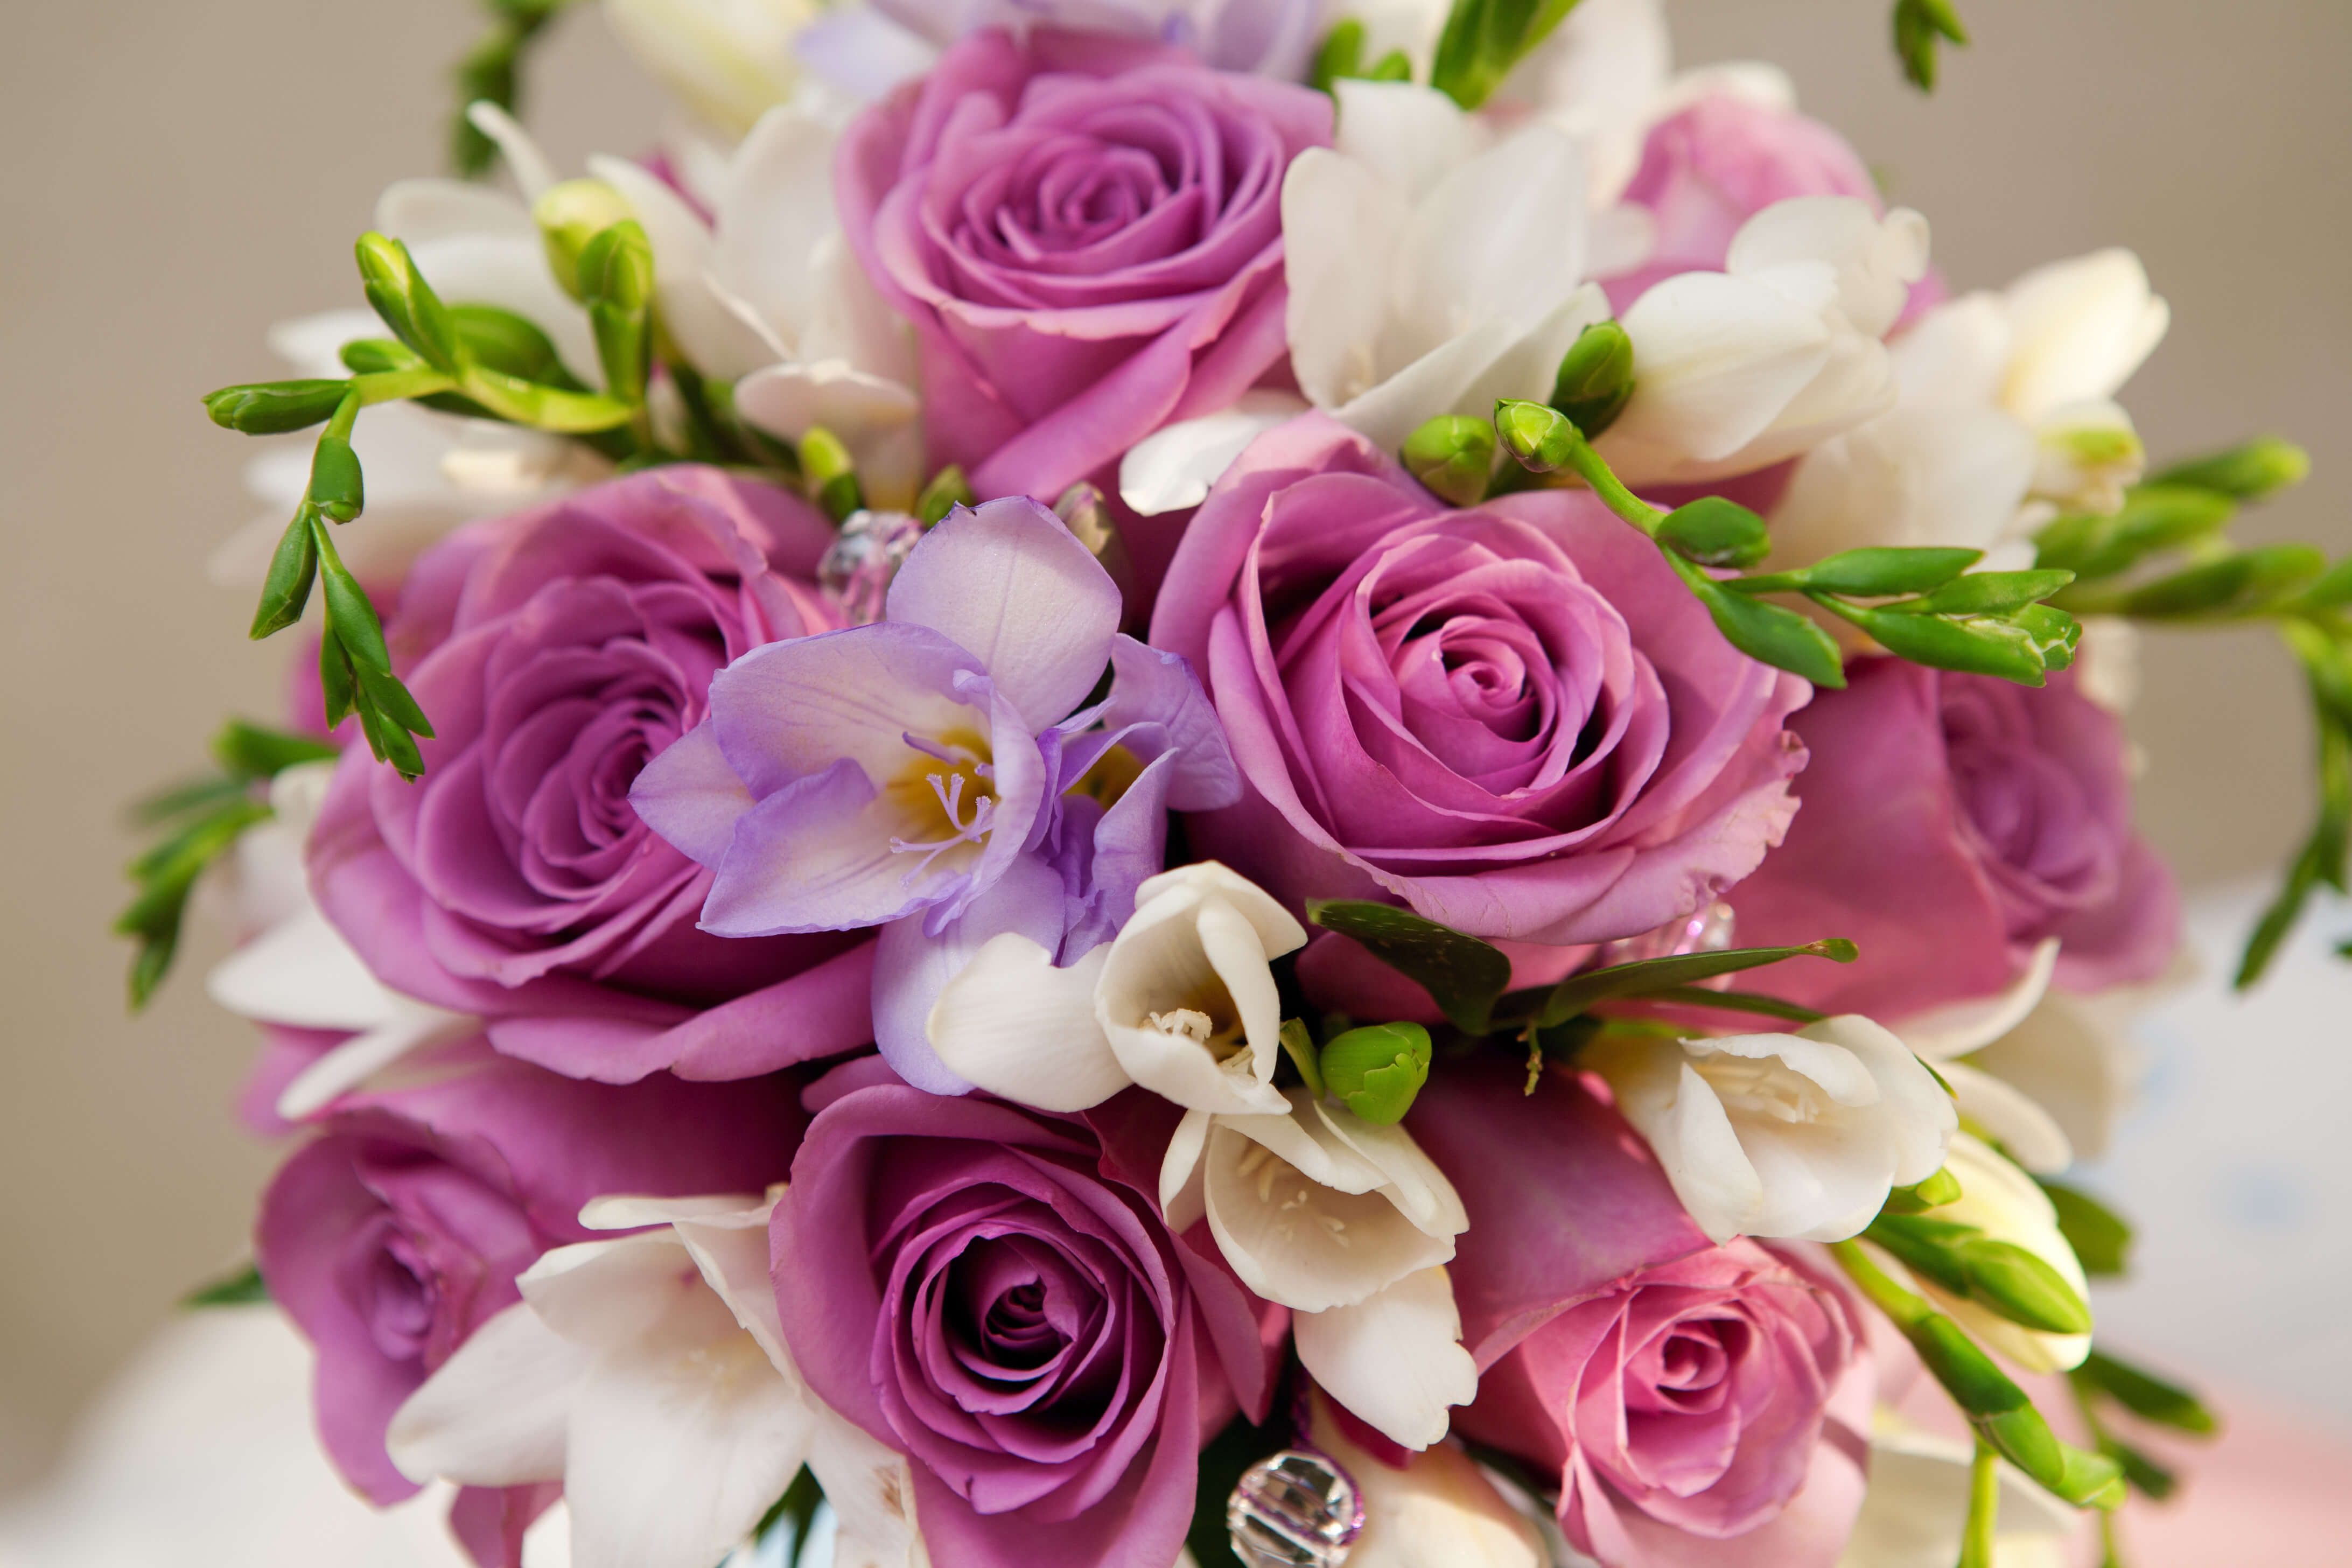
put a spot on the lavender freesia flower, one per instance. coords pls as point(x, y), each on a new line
point(934, 773)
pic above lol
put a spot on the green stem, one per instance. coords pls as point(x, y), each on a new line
point(1590, 467)
point(395, 385)
point(1984, 1508)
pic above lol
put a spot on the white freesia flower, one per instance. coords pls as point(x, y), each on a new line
point(729, 61)
point(2003, 1202)
point(1180, 1002)
point(1737, 370)
point(1439, 1512)
point(649, 1374)
point(1917, 1508)
point(2006, 401)
point(769, 296)
point(299, 971)
point(1783, 1135)
point(1349, 1225)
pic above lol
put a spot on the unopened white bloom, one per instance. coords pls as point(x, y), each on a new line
point(1737, 370)
point(299, 971)
point(2006, 409)
point(1916, 1508)
point(729, 61)
point(1349, 1225)
point(2004, 1202)
point(1439, 1511)
point(649, 1374)
point(1182, 1002)
point(1782, 1135)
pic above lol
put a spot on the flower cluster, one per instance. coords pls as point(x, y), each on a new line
point(1070, 748)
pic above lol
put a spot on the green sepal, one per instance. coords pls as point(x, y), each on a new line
point(275, 407)
point(1581, 992)
point(2250, 473)
point(1938, 1189)
point(1877, 572)
point(2145, 1395)
point(1766, 633)
point(1987, 593)
point(337, 488)
point(949, 490)
point(1299, 1044)
point(1341, 57)
point(399, 294)
point(2236, 584)
point(1714, 530)
point(1453, 455)
point(512, 345)
point(1377, 1070)
point(2141, 1473)
point(166, 875)
point(350, 615)
point(1464, 975)
point(830, 474)
point(286, 590)
point(2100, 1238)
point(796, 1509)
point(1394, 65)
point(379, 356)
point(1595, 380)
point(1977, 646)
point(244, 1287)
point(254, 752)
point(1483, 39)
point(1539, 437)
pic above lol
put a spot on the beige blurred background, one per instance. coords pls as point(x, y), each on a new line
point(179, 175)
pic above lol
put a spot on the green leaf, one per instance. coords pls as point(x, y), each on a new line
point(2154, 518)
point(257, 751)
point(491, 72)
point(1737, 1001)
point(2145, 1395)
point(512, 345)
point(1394, 65)
point(1715, 530)
point(286, 590)
point(205, 794)
point(2322, 859)
point(2101, 1238)
point(275, 407)
point(1977, 646)
point(1879, 571)
point(793, 1511)
point(1377, 1070)
point(1766, 633)
point(1483, 39)
point(1453, 455)
point(1920, 26)
point(1226, 1458)
point(1595, 379)
point(2141, 1473)
point(1464, 975)
point(1581, 992)
point(243, 1288)
point(2249, 472)
point(166, 874)
point(1987, 593)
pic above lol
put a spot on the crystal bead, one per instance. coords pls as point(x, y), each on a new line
point(1295, 1511)
point(1706, 930)
point(857, 570)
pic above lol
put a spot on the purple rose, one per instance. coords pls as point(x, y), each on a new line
point(557, 653)
point(1514, 719)
point(1710, 168)
point(1272, 37)
point(990, 1290)
point(1950, 824)
point(397, 1232)
point(1086, 230)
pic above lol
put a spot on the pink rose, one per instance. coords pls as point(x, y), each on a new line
point(1952, 823)
point(557, 653)
point(400, 1228)
point(1516, 719)
point(1710, 168)
point(1086, 231)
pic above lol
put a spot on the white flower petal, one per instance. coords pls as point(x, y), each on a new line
point(2082, 328)
point(1296, 1238)
point(1686, 1125)
point(2030, 1134)
point(601, 1294)
point(1332, 209)
point(714, 339)
point(412, 1028)
point(776, 210)
point(1394, 1360)
point(303, 974)
point(1174, 467)
point(1016, 1025)
point(1278, 929)
point(1408, 137)
point(1716, 359)
point(1499, 237)
point(1182, 1199)
point(494, 1413)
point(1964, 1027)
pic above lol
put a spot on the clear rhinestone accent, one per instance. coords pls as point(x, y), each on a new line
point(1708, 929)
point(857, 570)
point(1294, 1509)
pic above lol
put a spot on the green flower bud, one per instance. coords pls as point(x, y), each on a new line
point(1084, 513)
point(2247, 472)
point(406, 302)
point(336, 488)
point(1714, 532)
point(1595, 379)
point(1938, 1189)
point(275, 407)
point(2025, 1440)
point(569, 216)
point(1539, 436)
point(949, 490)
point(1375, 1071)
point(2022, 1287)
point(1299, 1046)
point(830, 474)
point(1341, 55)
point(616, 268)
point(1453, 456)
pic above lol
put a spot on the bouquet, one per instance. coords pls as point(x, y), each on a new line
point(1266, 781)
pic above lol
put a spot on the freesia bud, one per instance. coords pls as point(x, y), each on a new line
point(336, 488)
point(1716, 531)
point(400, 295)
point(275, 407)
point(569, 216)
point(2248, 473)
point(1596, 378)
point(2003, 1204)
point(949, 490)
point(1539, 437)
point(1377, 1071)
point(1082, 511)
point(830, 476)
point(1938, 1189)
point(1453, 456)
